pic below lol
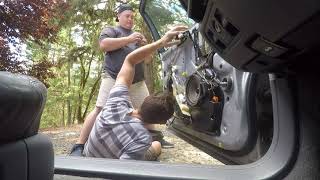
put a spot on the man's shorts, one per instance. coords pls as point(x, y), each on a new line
point(137, 91)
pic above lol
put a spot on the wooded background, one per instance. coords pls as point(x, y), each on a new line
point(56, 41)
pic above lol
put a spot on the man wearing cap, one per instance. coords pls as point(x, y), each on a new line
point(117, 42)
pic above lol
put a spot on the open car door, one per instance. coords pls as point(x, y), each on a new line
point(223, 111)
point(239, 97)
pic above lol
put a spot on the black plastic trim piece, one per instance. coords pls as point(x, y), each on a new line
point(268, 48)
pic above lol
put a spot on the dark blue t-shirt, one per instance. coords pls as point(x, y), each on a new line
point(114, 59)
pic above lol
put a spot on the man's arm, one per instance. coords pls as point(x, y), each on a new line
point(111, 44)
point(147, 60)
point(126, 73)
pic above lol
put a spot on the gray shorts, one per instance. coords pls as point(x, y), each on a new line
point(137, 91)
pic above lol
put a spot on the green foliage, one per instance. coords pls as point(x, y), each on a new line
point(71, 65)
point(27, 19)
point(78, 62)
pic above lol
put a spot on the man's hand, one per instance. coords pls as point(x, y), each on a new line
point(135, 37)
point(170, 38)
point(143, 41)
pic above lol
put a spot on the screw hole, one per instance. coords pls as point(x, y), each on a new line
point(225, 80)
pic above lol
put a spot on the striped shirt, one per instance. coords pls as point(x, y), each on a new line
point(115, 133)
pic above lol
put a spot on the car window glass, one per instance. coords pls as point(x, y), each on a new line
point(165, 13)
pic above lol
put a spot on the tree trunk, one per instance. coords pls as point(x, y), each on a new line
point(93, 90)
point(148, 74)
point(79, 108)
point(62, 123)
point(69, 99)
point(148, 68)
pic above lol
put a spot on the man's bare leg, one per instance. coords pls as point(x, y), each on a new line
point(156, 145)
point(88, 124)
point(85, 131)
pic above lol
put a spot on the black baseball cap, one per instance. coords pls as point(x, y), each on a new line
point(123, 7)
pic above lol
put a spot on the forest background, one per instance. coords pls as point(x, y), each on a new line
point(56, 41)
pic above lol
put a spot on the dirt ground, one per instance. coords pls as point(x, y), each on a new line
point(64, 138)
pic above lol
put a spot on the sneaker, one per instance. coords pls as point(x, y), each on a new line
point(77, 150)
point(165, 144)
